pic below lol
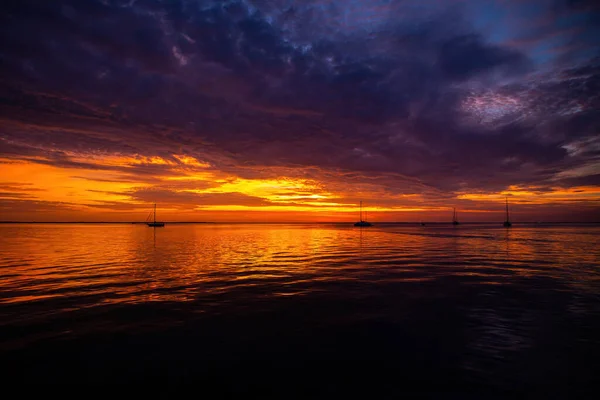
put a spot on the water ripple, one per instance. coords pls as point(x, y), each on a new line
point(493, 293)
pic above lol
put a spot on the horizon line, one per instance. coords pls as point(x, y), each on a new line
point(296, 222)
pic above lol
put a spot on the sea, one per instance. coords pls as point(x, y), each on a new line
point(468, 311)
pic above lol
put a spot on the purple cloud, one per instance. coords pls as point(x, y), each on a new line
point(424, 98)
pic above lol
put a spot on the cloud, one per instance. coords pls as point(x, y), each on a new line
point(27, 206)
point(196, 200)
point(407, 97)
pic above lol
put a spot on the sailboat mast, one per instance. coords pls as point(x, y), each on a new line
point(361, 210)
point(154, 212)
point(507, 208)
point(453, 214)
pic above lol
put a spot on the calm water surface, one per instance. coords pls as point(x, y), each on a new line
point(443, 308)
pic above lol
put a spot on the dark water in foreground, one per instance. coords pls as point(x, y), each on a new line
point(321, 309)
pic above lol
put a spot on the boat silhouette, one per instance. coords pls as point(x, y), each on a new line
point(362, 223)
point(454, 219)
point(154, 223)
point(507, 223)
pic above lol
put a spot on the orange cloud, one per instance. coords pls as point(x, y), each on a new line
point(116, 187)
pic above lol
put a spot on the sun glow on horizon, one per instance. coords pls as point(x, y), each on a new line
point(186, 188)
point(538, 195)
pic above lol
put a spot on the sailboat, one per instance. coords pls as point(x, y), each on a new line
point(507, 223)
point(454, 219)
point(155, 224)
point(362, 222)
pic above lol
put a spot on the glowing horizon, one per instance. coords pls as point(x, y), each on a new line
point(107, 195)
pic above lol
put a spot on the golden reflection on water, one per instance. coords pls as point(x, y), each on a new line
point(99, 264)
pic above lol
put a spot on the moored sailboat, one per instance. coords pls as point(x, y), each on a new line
point(362, 223)
point(154, 223)
point(507, 223)
point(454, 219)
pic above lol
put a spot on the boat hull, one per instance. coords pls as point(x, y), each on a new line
point(156, 224)
point(363, 224)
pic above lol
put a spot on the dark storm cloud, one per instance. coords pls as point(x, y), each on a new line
point(379, 90)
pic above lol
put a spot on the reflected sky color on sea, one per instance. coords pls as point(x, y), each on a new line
point(132, 263)
point(472, 304)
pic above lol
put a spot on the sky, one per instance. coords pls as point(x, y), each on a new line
point(283, 110)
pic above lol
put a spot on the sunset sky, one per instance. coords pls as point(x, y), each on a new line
point(282, 110)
